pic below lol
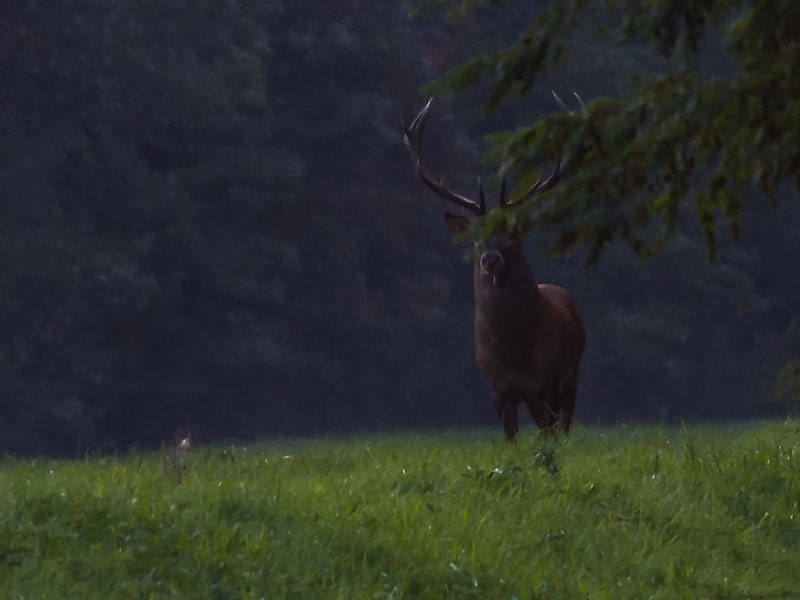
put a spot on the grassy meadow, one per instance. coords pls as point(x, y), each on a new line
point(617, 513)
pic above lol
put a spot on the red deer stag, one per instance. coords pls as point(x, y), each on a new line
point(529, 337)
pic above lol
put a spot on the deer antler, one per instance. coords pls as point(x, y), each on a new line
point(412, 136)
point(541, 185)
point(413, 140)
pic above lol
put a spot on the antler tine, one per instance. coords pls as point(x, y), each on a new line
point(549, 183)
point(555, 176)
point(559, 101)
point(535, 185)
point(481, 197)
point(413, 140)
point(581, 103)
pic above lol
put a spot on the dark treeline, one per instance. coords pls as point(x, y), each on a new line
point(210, 224)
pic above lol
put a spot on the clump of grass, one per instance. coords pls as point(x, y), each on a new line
point(629, 512)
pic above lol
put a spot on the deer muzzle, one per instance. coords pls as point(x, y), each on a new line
point(493, 264)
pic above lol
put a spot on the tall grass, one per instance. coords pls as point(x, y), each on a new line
point(629, 512)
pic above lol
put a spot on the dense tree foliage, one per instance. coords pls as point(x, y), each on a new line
point(697, 134)
point(210, 223)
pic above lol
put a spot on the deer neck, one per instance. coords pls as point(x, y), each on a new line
point(510, 306)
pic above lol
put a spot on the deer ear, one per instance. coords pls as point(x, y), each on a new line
point(456, 223)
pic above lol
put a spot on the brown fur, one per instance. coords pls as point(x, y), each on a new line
point(529, 339)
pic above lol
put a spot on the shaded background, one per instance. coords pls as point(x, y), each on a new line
point(210, 224)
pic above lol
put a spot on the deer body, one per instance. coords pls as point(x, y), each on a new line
point(535, 361)
point(529, 337)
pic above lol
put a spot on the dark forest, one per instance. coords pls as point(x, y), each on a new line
point(211, 225)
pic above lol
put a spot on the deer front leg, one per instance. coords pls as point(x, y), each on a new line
point(507, 413)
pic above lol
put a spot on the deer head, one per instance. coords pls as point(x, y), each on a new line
point(494, 259)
